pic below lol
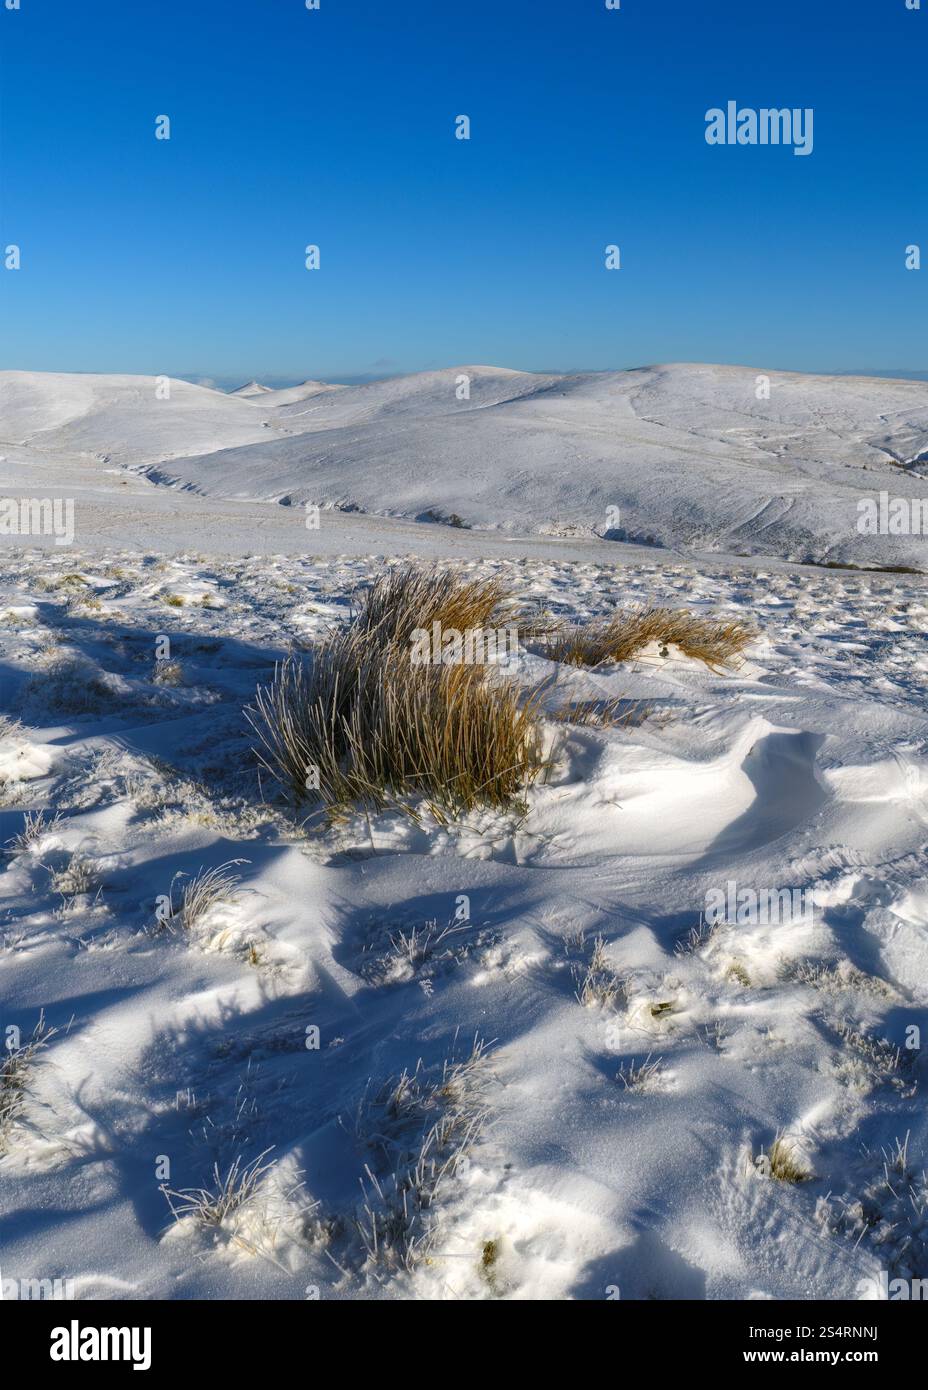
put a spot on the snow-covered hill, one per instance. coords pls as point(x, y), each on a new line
point(699, 457)
point(121, 419)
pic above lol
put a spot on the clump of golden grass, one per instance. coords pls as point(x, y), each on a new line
point(624, 634)
point(738, 972)
point(408, 598)
point(364, 723)
point(784, 1162)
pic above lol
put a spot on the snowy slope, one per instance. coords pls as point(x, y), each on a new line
point(686, 454)
point(121, 419)
point(681, 455)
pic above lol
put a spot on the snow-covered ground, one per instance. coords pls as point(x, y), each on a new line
point(594, 1077)
point(618, 1144)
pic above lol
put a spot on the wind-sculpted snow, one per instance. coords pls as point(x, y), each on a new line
point(309, 1010)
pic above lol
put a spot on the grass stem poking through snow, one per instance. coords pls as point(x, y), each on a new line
point(696, 938)
point(419, 944)
point(9, 728)
point(35, 828)
point(14, 1076)
point(643, 1077)
point(211, 1205)
point(423, 1126)
point(77, 877)
point(619, 713)
point(204, 891)
point(598, 986)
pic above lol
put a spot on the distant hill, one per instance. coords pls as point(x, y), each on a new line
point(693, 455)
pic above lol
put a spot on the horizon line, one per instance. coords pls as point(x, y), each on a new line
point(278, 381)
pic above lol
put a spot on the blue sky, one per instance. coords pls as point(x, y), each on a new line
point(336, 127)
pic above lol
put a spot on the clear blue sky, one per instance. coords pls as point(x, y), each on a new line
point(336, 127)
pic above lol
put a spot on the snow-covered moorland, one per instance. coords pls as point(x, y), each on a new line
point(520, 1053)
point(698, 457)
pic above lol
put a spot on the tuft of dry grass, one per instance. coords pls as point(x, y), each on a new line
point(623, 635)
point(489, 1257)
point(835, 979)
point(738, 973)
point(784, 1162)
point(72, 685)
point(424, 1127)
point(696, 938)
point(14, 1076)
point(211, 1206)
point(168, 673)
point(408, 597)
point(363, 723)
point(419, 944)
point(883, 1058)
point(35, 828)
point(645, 1076)
point(10, 728)
point(78, 876)
point(205, 891)
point(619, 713)
point(598, 986)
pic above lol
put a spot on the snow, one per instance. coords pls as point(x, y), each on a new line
point(251, 388)
point(804, 769)
point(120, 419)
point(683, 456)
